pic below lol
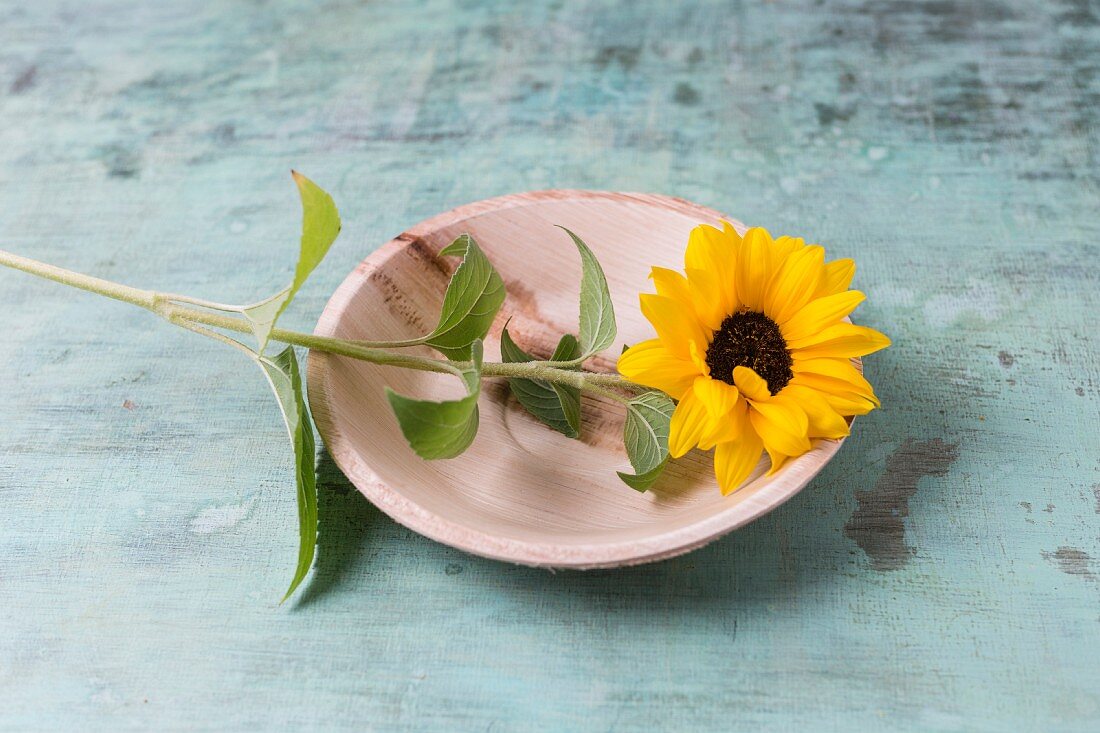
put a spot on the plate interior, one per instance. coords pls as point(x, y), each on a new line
point(523, 492)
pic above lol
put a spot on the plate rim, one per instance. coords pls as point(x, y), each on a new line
point(786, 483)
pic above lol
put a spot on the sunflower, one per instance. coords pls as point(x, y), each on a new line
point(754, 344)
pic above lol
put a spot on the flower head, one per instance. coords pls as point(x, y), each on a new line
point(754, 344)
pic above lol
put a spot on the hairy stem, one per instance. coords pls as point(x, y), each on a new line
point(125, 293)
point(171, 307)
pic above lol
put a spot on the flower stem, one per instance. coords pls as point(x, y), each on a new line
point(125, 293)
point(171, 308)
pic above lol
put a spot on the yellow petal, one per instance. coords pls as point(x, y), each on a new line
point(676, 324)
point(849, 404)
point(785, 246)
point(754, 267)
point(731, 231)
point(705, 248)
point(840, 396)
point(840, 370)
point(782, 425)
point(671, 284)
point(651, 364)
point(751, 384)
point(828, 385)
point(735, 460)
point(721, 432)
point(715, 251)
point(709, 297)
point(838, 277)
point(825, 422)
point(718, 396)
point(819, 314)
point(777, 461)
point(842, 339)
point(689, 422)
point(794, 283)
point(720, 399)
point(698, 358)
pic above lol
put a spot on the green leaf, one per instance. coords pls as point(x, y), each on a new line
point(568, 349)
point(441, 429)
point(558, 406)
point(645, 435)
point(643, 482)
point(474, 295)
point(597, 330)
point(320, 226)
point(262, 316)
point(286, 381)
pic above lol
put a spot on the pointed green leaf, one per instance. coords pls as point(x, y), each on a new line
point(474, 295)
point(558, 406)
point(320, 226)
point(597, 326)
point(643, 482)
point(645, 435)
point(441, 429)
point(286, 381)
point(568, 348)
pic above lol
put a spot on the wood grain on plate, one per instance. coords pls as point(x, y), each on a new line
point(523, 492)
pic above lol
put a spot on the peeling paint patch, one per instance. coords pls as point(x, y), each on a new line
point(827, 114)
point(686, 95)
point(878, 523)
point(25, 80)
point(625, 56)
point(220, 517)
point(1071, 561)
point(1096, 494)
point(121, 162)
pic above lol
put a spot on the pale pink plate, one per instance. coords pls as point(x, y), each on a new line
point(523, 493)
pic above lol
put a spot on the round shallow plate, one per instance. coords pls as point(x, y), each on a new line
point(522, 492)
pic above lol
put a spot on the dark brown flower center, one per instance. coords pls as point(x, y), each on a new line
point(753, 340)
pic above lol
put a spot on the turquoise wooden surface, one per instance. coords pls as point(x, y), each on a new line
point(942, 574)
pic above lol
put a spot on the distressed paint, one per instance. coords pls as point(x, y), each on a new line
point(878, 523)
point(950, 147)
